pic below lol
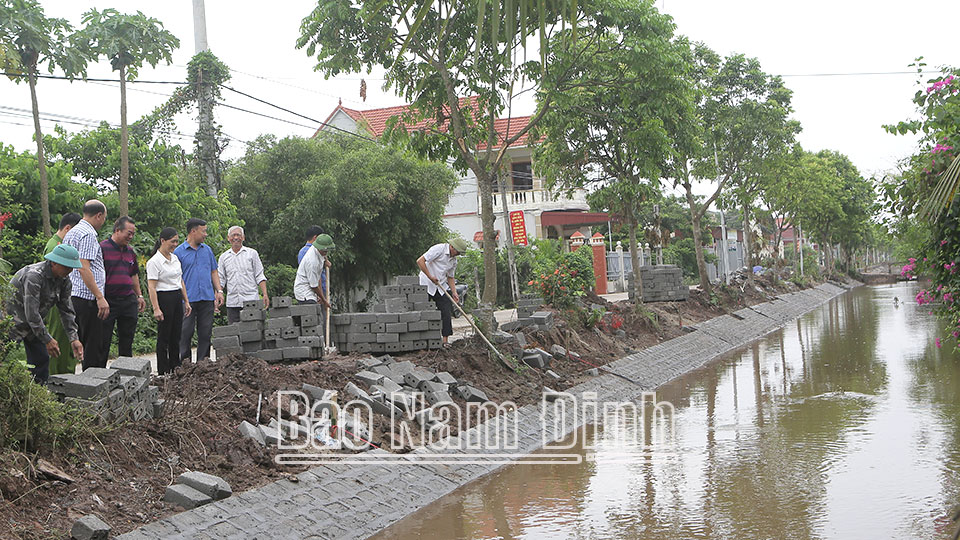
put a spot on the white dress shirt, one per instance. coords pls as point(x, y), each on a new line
point(441, 265)
point(240, 273)
point(308, 275)
point(167, 272)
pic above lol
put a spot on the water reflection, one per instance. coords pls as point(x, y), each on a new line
point(842, 425)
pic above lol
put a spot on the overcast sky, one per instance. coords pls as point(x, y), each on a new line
point(801, 40)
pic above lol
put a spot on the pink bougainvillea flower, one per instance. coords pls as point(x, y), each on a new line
point(938, 343)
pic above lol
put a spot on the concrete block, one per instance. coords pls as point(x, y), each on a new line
point(309, 320)
point(402, 400)
point(95, 407)
point(418, 298)
point(112, 376)
point(83, 387)
point(378, 328)
point(271, 436)
point(558, 351)
point(434, 343)
point(296, 353)
point(534, 361)
point(369, 362)
point(89, 527)
point(370, 378)
point(409, 317)
point(290, 333)
point(419, 344)
point(396, 328)
point(443, 377)
point(593, 372)
point(319, 394)
point(115, 398)
point(310, 341)
point(416, 376)
point(389, 386)
point(358, 328)
point(424, 306)
point(251, 347)
point(355, 392)
point(418, 326)
point(272, 333)
point(281, 301)
point(403, 367)
point(251, 304)
point(312, 331)
point(408, 280)
point(472, 394)
point(438, 398)
point(434, 325)
point(363, 318)
point(251, 314)
point(552, 374)
point(252, 335)
point(340, 319)
point(385, 318)
point(185, 496)
point(212, 486)
point(279, 322)
point(246, 326)
point(511, 326)
point(388, 291)
point(227, 342)
point(394, 347)
point(132, 366)
point(157, 408)
point(301, 310)
point(270, 355)
point(388, 338)
point(152, 394)
point(226, 331)
point(432, 386)
point(500, 337)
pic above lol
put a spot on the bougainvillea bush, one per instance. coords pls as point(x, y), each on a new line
point(571, 279)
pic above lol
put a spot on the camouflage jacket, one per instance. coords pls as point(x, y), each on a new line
point(35, 291)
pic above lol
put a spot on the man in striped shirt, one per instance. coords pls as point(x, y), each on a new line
point(88, 281)
point(122, 289)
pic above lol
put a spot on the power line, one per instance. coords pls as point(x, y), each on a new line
point(859, 74)
point(72, 79)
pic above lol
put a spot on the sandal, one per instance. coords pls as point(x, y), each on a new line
point(446, 345)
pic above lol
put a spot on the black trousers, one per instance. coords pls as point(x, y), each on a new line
point(124, 311)
point(168, 330)
point(38, 357)
point(201, 320)
point(446, 312)
point(90, 328)
point(233, 315)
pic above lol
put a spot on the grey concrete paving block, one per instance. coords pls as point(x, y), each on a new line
point(290, 333)
point(185, 496)
point(430, 315)
point(312, 331)
point(251, 314)
point(226, 331)
point(378, 328)
point(418, 326)
point(132, 366)
point(89, 527)
point(208, 484)
point(281, 301)
point(385, 318)
point(112, 376)
point(271, 436)
point(369, 378)
point(252, 432)
point(83, 387)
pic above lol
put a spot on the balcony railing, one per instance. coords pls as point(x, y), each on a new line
point(541, 199)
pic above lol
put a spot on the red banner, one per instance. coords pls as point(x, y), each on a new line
point(518, 228)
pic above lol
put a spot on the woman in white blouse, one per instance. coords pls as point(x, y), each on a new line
point(168, 294)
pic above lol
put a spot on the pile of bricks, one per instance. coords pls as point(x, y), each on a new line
point(276, 431)
point(661, 283)
point(284, 332)
point(194, 488)
point(121, 391)
point(396, 388)
point(404, 320)
point(529, 315)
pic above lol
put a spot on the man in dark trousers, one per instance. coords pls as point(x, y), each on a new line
point(199, 267)
point(37, 288)
point(89, 304)
point(122, 289)
point(437, 269)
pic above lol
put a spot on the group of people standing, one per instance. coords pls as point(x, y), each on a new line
point(66, 308)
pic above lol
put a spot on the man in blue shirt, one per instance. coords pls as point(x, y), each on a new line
point(203, 288)
point(312, 233)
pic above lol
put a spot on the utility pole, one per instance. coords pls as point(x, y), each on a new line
point(508, 232)
point(206, 137)
point(800, 243)
point(723, 225)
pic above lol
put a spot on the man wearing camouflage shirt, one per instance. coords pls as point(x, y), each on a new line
point(37, 288)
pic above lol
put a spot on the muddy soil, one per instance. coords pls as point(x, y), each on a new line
point(121, 476)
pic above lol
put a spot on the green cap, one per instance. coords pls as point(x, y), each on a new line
point(460, 245)
point(65, 255)
point(324, 242)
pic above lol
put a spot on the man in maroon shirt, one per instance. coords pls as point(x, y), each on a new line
point(122, 289)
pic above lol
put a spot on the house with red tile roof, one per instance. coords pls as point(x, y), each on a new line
point(545, 214)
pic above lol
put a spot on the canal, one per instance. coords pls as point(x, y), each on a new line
point(842, 425)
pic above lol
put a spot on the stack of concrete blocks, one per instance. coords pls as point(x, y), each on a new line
point(284, 332)
point(661, 283)
point(121, 391)
point(529, 315)
point(402, 388)
point(405, 319)
point(194, 488)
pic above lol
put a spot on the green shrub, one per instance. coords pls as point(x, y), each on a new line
point(280, 279)
point(571, 279)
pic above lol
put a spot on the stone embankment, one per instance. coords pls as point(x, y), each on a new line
point(356, 500)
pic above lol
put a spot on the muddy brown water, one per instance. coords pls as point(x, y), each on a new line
point(845, 424)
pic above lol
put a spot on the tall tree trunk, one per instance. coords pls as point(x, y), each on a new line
point(508, 240)
point(695, 218)
point(747, 236)
point(124, 186)
point(41, 160)
point(635, 261)
point(485, 187)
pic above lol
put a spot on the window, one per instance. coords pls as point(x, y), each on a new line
point(522, 175)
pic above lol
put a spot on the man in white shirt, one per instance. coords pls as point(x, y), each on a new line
point(307, 286)
point(437, 269)
point(241, 273)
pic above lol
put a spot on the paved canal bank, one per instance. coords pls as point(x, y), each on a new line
point(843, 424)
point(355, 501)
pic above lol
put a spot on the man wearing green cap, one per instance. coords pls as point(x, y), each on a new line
point(37, 288)
point(440, 263)
point(308, 288)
